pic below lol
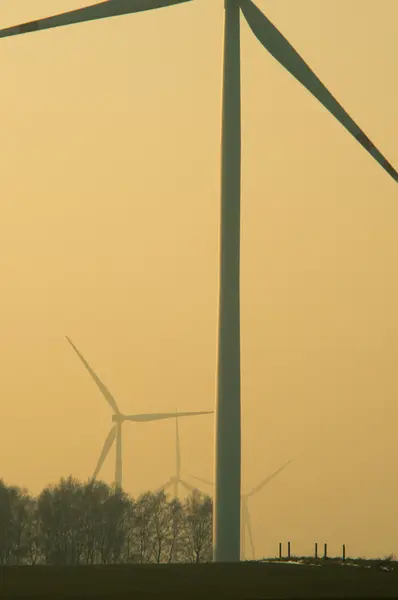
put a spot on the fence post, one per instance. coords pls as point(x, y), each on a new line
point(343, 551)
point(280, 549)
point(316, 549)
point(288, 550)
point(325, 551)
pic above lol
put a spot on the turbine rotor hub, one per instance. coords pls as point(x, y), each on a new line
point(118, 418)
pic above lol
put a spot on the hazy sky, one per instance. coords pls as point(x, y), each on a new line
point(110, 160)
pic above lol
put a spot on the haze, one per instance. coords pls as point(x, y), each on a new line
point(109, 234)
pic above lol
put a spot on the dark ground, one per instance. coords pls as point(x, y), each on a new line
point(243, 581)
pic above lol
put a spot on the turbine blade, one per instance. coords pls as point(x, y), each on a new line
point(119, 461)
point(267, 480)
point(187, 486)
point(277, 45)
point(193, 414)
point(178, 452)
point(206, 481)
point(242, 529)
point(249, 526)
point(167, 484)
point(104, 390)
point(101, 10)
point(105, 449)
point(160, 416)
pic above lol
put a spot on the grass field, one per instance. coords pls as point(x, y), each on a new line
point(245, 581)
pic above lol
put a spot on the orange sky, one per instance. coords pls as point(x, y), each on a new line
point(109, 234)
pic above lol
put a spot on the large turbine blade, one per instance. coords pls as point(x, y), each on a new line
point(105, 392)
point(206, 481)
point(267, 480)
point(160, 416)
point(102, 10)
point(277, 45)
point(106, 447)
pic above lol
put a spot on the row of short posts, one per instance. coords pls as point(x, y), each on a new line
point(325, 551)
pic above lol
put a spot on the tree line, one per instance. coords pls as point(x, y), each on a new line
point(75, 523)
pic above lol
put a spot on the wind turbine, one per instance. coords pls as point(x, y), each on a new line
point(245, 513)
point(226, 521)
point(118, 418)
point(176, 479)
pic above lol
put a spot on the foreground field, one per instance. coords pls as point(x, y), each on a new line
point(245, 581)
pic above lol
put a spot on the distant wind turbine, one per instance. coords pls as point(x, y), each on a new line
point(118, 418)
point(176, 479)
point(226, 518)
point(245, 514)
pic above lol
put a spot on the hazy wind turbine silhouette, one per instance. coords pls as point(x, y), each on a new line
point(118, 418)
point(245, 513)
point(226, 521)
point(176, 479)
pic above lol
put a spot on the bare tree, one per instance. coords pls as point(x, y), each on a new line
point(176, 530)
point(6, 523)
point(15, 506)
point(21, 508)
point(74, 523)
point(62, 518)
point(198, 527)
point(33, 536)
point(162, 527)
point(114, 527)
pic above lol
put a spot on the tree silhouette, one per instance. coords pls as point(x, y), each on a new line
point(198, 527)
point(74, 523)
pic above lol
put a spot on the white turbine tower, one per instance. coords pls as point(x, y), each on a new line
point(245, 524)
point(228, 422)
point(175, 481)
point(119, 418)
